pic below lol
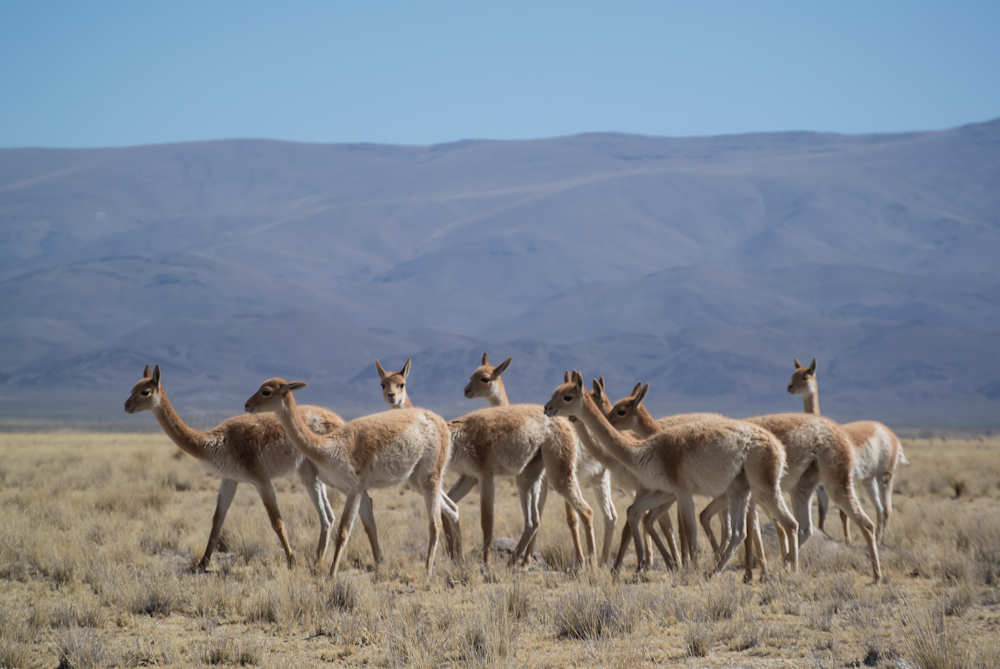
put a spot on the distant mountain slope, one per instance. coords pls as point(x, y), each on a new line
point(701, 265)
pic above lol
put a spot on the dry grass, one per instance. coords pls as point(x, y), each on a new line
point(99, 533)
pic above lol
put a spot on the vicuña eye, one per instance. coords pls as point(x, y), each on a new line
point(265, 393)
point(485, 380)
point(568, 399)
point(383, 386)
point(621, 412)
point(145, 392)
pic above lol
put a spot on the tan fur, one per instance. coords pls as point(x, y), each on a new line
point(714, 456)
point(623, 478)
point(375, 451)
point(819, 451)
point(518, 441)
point(394, 386)
point(630, 413)
point(244, 449)
point(877, 451)
point(396, 396)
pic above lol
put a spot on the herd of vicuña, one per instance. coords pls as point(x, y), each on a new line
point(578, 436)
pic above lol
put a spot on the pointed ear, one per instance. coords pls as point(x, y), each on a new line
point(601, 381)
point(797, 364)
point(156, 375)
point(294, 385)
point(636, 389)
point(406, 369)
point(598, 388)
point(486, 358)
point(499, 369)
point(378, 367)
point(578, 380)
point(145, 373)
point(637, 400)
point(812, 367)
point(566, 377)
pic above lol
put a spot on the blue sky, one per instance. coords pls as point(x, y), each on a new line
point(81, 74)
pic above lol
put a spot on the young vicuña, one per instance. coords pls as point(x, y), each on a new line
point(376, 451)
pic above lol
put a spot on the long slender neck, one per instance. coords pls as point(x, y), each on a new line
point(318, 449)
point(810, 403)
point(621, 447)
point(188, 439)
point(594, 447)
point(500, 398)
point(645, 425)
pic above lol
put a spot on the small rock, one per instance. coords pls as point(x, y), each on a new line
point(503, 548)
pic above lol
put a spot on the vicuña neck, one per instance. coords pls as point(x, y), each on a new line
point(500, 398)
point(810, 403)
point(594, 447)
point(316, 448)
point(407, 404)
point(621, 447)
point(188, 439)
point(645, 425)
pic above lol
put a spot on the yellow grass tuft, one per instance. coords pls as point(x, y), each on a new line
point(99, 534)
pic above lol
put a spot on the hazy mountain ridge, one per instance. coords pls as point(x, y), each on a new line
point(699, 264)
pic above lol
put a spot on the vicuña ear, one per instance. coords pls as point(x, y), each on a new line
point(406, 369)
point(294, 385)
point(566, 377)
point(601, 381)
point(486, 358)
point(156, 375)
point(636, 389)
point(812, 367)
point(499, 369)
point(145, 373)
point(797, 364)
point(578, 380)
point(642, 394)
point(598, 388)
point(381, 372)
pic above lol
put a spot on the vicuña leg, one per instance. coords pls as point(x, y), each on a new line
point(530, 487)
point(266, 491)
point(885, 492)
point(572, 520)
point(635, 513)
point(462, 487)
point(367, 515)
point(823, 502)
point(651, 518)
point(602, 491)
point(839, 486)
point(486, 494)
point(705, 517)
point(344, 529)
point(432, 499)
point(739, 498)
point(227, 489)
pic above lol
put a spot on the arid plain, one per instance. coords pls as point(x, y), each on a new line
point(99, 534)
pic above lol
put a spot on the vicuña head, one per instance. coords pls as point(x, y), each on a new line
point(567, 400)
point(803, 379)
point(394, 385)
point(486, 383)
point(624, 414)
point(270, 395)
point(145, 394)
